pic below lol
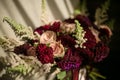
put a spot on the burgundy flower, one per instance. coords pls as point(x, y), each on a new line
point(104, 32)
point(84, 21)
point(39, 30)
point(71, 60)
point(31, 51)
point(46, 27)
point(91, 41)
point(22, 49)
point(67, 40)
point(101, 51)
point(104, 35)
point(45, 54)
point(87, 54)
point(55, 27)
point(69, 20)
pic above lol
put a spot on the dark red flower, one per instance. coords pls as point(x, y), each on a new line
point(91, 41)
point(31, 51)
point(46, 27)
point(66, 40)
point(22, 49)
point(39, 30)
point(55, 27)
point(83, 20)
point(86, 54)
point(104, 35)
point(101, 51)
point(45, 54)
point(69, 20)
point(71, 60)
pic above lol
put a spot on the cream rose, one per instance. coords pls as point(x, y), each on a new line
point(58, 49)
point(68, 27)
point(48, 37)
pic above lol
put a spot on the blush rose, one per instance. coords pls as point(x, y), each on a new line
point(58, 49)
point(69, 28)
point(48, 37)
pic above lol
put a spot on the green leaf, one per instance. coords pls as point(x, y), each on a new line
point(98, 75)
point(61, 75)
point(19, 68)
point(92, 77)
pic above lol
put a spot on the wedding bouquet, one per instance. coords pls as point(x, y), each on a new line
point(60, 50)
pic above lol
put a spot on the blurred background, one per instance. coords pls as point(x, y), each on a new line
point(28, 12)
point(110, 66)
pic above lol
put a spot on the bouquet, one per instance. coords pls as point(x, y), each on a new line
point(61, 50)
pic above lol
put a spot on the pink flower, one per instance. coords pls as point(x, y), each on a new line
point(67, 27)
point(45, 54)
point(58, 49)
point(48, 37)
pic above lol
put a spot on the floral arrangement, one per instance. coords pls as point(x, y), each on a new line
point(63, 50)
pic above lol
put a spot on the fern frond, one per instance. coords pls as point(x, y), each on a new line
point(20, 66)
point(22, 31)
point(8, 44)
point(101, 14)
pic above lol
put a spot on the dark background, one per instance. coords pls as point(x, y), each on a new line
point(110, 66)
